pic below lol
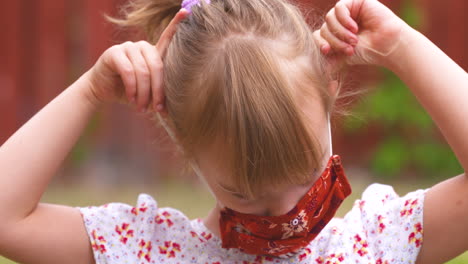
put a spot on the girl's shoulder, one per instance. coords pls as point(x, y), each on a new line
point(121, 233)
point(381, 227)
point(145, 212)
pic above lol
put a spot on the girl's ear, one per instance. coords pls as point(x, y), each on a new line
point(333, 88)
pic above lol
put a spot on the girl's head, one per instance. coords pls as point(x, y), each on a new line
point(246, 91)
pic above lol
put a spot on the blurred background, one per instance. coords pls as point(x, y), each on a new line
point(47, 44)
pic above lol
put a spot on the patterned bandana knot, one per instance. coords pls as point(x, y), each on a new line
point(286, 235)
point(188, 4)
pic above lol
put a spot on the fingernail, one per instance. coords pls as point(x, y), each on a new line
point(349, 50)
point(184, 10)
point(324, 49)
point(159, 107)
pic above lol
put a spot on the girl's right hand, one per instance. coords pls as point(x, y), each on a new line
point(133, 72)
point(360, 32)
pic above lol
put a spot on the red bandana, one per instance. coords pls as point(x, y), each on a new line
point(287, 234)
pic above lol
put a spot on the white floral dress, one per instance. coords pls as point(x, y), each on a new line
point(381, 228)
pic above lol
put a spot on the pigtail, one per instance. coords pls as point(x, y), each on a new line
point(150, 16)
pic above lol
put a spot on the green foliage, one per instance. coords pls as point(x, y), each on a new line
point(411, 140)
point(82, 148)
point(390, 156)
point(411, 13)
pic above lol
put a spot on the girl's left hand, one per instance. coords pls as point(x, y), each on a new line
point(360, 32)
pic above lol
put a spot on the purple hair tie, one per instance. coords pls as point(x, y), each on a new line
point(188, 4)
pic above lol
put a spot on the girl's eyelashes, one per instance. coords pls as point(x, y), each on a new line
point(240, 196)
point(234, 192)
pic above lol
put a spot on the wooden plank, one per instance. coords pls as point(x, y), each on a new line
point(10, 72)
point(98, 31)
point(456, 28)
point(28, 55)
point(52, 66)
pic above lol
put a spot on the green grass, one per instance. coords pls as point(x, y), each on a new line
point(182, 196)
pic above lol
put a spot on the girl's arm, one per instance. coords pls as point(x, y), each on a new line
point(40, 233)
point(441, 86)
point(380, 37)
point(32, 233)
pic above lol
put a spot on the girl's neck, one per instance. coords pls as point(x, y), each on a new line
point(211, 221)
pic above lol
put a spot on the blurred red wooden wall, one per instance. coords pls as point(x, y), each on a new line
point(47, 44)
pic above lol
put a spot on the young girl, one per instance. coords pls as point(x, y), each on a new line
point(246, 90)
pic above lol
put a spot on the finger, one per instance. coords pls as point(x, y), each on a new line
point(155, 65)
point(143, 76)
point(344, 17)
point(126, 72)
point(320, 42)
point(339, 30)
point(337, 45)
point(169, 32)
point(354, 7)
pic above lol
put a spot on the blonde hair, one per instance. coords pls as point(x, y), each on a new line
point(237, 74)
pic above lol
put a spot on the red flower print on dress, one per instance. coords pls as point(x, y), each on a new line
point(145, 250)
point(203, 237)
point(136, 210)
point(124, 232)
point(258, 260)
point(380, 261)
point(169, 249)
point(336, 231)
point(304, 255)
point(385, 199)
point(360, 246)
point(98, 242)
point(164, 217)
point(416, 236)
point(261, 259)
point(206, 236)
point(297, 225)
point(409, 206)
point(331, 259)
point(361, 204)
point(381, 226)
point(195, 235)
